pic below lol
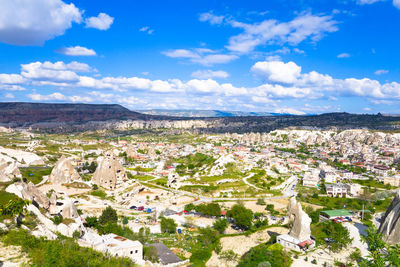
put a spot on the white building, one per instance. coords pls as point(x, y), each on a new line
point(116, 246)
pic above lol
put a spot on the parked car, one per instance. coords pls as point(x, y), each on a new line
point(133, 207)
point(140, 208)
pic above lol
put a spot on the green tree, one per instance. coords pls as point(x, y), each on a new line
point(91, 221)
point(242, 216)
point(381, 253)
point(168, 225)
point(125, 220)
point(109, 215)
point(220, 225)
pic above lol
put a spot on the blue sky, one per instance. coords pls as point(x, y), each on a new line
point(293, 56)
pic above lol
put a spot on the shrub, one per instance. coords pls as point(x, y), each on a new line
point(57, 219)
point(109, 215)
point(220, 225)
point(168, 225)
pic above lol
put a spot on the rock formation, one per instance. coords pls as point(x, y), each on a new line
point(8, 170)
point(29, 192)
point(109, 173)
point(390, 226)
point(300, 221)
point(63, 172)
point(69, 210)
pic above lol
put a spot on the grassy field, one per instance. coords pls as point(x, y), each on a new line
point(35, 174)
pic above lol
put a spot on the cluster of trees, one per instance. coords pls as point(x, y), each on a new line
point(333, 234)
point(89, 167)
point(168, 225)
point(210, 209)
point(241, 215)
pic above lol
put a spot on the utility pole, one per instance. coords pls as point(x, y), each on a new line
point(362, 215)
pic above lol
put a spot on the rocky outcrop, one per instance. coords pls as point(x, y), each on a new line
point(300, 221)
point(29, 192)
point(69, 210)
point(63, 172)
point(390, 226)
point(8, 170)
point(109, 172)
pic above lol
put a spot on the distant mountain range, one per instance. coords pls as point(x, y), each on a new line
point(204, 113)
point(51, 117)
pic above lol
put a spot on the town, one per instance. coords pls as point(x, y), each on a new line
point(307, 197)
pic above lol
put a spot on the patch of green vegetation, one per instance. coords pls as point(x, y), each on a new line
point(339, 235)
point(265, 254)
point(373, 183)
point(60, 252)
point(161, 181)
point(143, 178)
point(34, 174)
point(99, 193)
point(191, 164)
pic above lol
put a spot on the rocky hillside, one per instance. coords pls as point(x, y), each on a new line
point(83, 117)
point(18, 113)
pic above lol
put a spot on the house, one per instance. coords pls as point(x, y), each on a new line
point(354, 189)
point(392, 180)
point(335, 190)
point(293, 243)
point(120, 247)
point(311, 178)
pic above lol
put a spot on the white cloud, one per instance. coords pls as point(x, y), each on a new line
point(343, 55)
point(380, 72)
point(367, 2)
point(11, 79)
point(101, 22)
point(203, 56)
point(9, 96)
point(77, 51)
point(146, 29)
point(207, 74)
point(396, 3)
point(367, 109)
point(305, 26)
point(289, 111)
point(211, 18)
point(27, 22)
point(54, 72)
point(277, 71)
point(59, 97)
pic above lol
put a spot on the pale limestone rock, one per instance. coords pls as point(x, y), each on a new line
point(31, 193)
point(69, 210)
point(300, 221)
point(63, 172)
point(8, 170)
point(109, 173)
point(390, 226)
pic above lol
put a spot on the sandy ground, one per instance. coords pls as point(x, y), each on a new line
point(242, 244)
point(12, 256)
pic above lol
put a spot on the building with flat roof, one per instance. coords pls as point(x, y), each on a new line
point(333, 214)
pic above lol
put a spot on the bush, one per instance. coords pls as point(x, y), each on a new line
point(274, 254)
point(109, 215)
point(57, 219)
point(260, 201)
point(242, 216)
point(91, 222)
point(125, 220)
point(60, 252)
point(150, 254)
point(220, 225)
point(76, 234)
point(168, 225)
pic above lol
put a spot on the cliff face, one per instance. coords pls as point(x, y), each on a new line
point(390, 226)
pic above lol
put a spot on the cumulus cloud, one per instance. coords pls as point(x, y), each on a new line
point(101, 22)
point(207, 74)
point(203, 56)
point(277, 71)
point(305, 26)
point(343, 55)
point(9, 96)
point(27, 22)
point(77, 51)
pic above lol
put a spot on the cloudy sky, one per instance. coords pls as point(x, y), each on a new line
point(293, 56)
